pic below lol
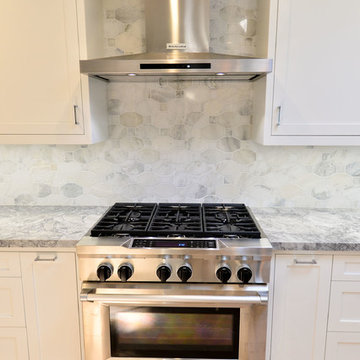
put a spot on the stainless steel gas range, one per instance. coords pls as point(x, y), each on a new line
point(187, 281)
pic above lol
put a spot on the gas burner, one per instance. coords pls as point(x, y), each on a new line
point(229, 219)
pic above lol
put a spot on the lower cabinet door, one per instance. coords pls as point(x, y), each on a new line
point(11, 303)
point(51, 305)
point(343, 346)
point(13, 344)
point(300, 307)
point(344, 312)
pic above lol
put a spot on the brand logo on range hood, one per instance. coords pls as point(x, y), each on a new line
point(176, 46)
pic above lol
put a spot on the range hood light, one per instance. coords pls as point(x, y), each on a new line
point(131, 74)
point(220, 74)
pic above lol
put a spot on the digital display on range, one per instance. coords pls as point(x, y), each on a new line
point(173, 243)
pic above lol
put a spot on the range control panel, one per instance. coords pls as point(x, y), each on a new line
point(157, 243)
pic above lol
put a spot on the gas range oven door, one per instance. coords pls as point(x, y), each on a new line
point(167, 321)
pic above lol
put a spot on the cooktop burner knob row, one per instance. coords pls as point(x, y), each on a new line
point(163, 272)
point(244, 274)
point(104, 271)
point(184, 272)
point(125, 272)
point(223, 273)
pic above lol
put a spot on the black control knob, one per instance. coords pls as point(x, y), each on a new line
point(163, 272)
point(244, 274)
point(104, 271)
point(223, 274)
point(184, 273)
point(125, 272)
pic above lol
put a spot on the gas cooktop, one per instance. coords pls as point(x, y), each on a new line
point(177, 220)
point(202, 243)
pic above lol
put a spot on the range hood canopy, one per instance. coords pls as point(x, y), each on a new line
point(177, 43)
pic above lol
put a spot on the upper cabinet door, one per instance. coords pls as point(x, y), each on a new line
point(317, 72)
point(40, 90)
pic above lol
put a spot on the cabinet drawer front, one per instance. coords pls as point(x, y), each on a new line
point(346, 268)
point(11, 303)
point(9, 265)
point(13, 344)
point(342, 346)
point(344, 312)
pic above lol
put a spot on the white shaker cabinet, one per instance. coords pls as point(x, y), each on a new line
point(343, 340)
point(13, 344)
point(51, 305)
point(312, 96)
point(13, 340)
point(43, 97)
point(343, 346)
point(300, 306)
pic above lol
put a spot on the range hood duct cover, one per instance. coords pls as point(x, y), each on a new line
point(177, 46)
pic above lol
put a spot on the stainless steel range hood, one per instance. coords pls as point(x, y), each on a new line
point(177, 43)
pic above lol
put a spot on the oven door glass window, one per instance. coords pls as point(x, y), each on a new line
point(174, 332)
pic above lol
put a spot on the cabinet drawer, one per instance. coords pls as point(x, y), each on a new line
point(341, 346)
point(13, 344)
point(9, 265)
point(346, 268)
point(344, 314)
point(11, 303)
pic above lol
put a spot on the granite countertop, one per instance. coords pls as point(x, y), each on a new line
point(46, 226)
point(311, 229)
point(286, 228)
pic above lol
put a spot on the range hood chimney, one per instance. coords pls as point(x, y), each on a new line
point(177, 47)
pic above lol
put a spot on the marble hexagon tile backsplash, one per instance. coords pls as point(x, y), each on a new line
point(185, 142)
point(180, 141)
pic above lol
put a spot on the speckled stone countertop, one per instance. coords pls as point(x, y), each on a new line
point(311, 229)
point(46, 226)
point(286, 228)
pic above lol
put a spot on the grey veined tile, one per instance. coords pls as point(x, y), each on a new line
point(71, 190)
point(228, 144)
point(131, 119)
point(353, 169)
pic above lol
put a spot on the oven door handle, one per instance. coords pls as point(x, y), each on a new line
point(176, 300)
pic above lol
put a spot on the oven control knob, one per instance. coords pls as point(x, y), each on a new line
point(104, 271)
point(163, 272)
point(244, 274)
point(184, 273)
point(125, 272)
point(223, 273)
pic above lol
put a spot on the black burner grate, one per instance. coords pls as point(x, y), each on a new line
point(182, 219)
point(188, 220)
point(229, 219)
point(125, 218)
